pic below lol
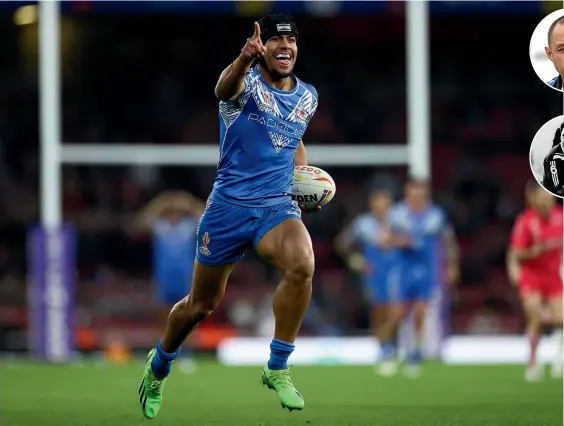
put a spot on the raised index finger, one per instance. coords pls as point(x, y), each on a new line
point(257, 31)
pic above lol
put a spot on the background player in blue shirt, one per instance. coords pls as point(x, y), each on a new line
point(264, 111)
point(368, 246)
point(427, 241)
point(172, 219)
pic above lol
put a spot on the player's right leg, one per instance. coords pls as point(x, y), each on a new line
point(532, 305)
point(222, 240)
point(208, 287)
point(172, 287)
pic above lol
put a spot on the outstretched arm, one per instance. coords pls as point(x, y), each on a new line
point(231, 81)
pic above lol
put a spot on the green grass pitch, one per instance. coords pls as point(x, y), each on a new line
point(35, 395)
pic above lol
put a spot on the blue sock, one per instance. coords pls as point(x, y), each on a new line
point(162, 361)
point(280, 351)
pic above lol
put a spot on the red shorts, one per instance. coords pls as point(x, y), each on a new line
point(547, 288)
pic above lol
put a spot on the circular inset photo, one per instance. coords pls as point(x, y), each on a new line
point(547, 156)
point(547, 49)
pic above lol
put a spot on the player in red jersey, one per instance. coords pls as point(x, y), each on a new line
point(535, 266)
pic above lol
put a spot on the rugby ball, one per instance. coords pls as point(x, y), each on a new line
point(312, 186)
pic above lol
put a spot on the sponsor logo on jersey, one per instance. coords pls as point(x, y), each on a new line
point(276, 124)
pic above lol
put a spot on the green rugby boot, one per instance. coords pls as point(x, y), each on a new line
point(281, 382)
point(151, 390)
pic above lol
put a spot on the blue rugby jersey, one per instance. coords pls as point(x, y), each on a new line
point(365, 232)
point(425, 230)
point(259, 134)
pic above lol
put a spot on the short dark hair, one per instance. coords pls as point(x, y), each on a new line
point(267, 21)
point(552, 26)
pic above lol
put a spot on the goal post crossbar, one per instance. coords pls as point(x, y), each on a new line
point(208, 155)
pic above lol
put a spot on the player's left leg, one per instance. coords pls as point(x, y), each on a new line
point(285, 242)
point(390, 292)
point(555, 305)
point(387, 334)
point(378, 316)
point(378, 305)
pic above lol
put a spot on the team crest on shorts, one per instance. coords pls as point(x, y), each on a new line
point(204, 246)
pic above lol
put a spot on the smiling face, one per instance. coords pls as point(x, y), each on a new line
point(281, 54)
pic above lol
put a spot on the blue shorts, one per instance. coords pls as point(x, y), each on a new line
point(400, 285)
point(417, 283)
point(384, 288)
point(227, 230)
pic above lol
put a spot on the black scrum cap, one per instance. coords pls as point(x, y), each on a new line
point(276, 24)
